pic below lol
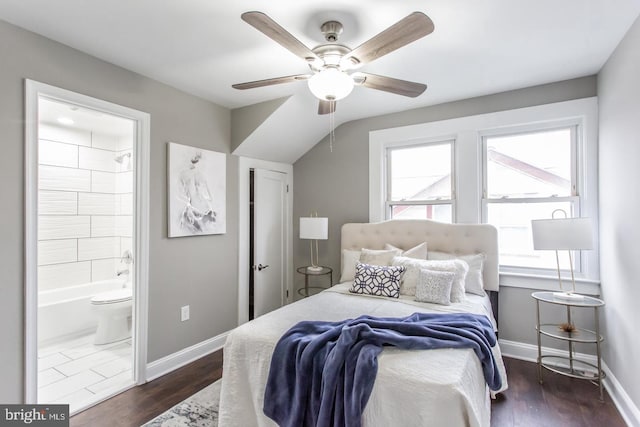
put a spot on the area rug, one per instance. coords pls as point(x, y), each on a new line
point(199, 410)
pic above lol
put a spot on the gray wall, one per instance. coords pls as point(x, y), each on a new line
point(200, 271)
point(619, 151)
point(336, 184)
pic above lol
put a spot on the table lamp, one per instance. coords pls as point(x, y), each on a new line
point(563, 234)
point(314, 228)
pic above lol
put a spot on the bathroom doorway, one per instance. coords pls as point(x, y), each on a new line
point(87, 162)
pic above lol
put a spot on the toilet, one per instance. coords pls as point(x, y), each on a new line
point(113, 309)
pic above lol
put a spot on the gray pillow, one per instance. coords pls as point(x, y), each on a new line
point(434, 286)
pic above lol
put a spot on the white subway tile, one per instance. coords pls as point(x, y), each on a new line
point(67, 386)
point(104, 269)
point(103, 182)
point(98, 358)
point(97, 159)
point(57, 251)
point(63, 227)
point(124, 225)
point(126, 204)
point(126, 141)
point(124, 182)
point(98, 248)
point(58, 276)
point(57, 154)
point(50, 376)
point(96, 204)
point(103, 226)
point(64, 179)
point(51, 360)
point(126, 244)
point(114, 367)
point(106, 142)
point(57, 203)
point(60, 134)
point(113, 384)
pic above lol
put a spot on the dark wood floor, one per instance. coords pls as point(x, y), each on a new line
point(559, 402)
point(140, 404)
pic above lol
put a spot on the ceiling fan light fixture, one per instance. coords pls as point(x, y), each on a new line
point(330, 84)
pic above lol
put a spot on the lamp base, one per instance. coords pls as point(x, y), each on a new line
point(314, 268)
point(568, 296)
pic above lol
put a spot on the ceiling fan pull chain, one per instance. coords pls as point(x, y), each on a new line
point(332, 134)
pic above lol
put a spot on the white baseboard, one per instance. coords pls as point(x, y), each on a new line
point(627, 408)
point(169, 363)
point(623, 402)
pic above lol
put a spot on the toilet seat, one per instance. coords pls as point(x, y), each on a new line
point(112, 297)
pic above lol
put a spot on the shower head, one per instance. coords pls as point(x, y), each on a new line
point(121, 157)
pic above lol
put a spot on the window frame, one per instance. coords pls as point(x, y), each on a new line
point(387, 171)
point(467, 133)
point(574, 198)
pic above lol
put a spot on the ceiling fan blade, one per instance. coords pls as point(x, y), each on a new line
point(326, 107)
point(270, 82)
point(403, 32)
point(274, 31)
point(389, 84)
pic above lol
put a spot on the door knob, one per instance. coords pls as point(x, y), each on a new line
point(262, 267)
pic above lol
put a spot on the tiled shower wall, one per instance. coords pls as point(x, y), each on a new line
point(85, 206)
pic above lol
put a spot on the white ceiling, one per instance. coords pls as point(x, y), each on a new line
point(202, 46)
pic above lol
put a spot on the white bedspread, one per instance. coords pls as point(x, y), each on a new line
point(443, 387)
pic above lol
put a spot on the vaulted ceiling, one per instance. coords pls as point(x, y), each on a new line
point(203, 47)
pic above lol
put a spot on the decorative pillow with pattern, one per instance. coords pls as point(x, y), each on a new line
point(378, 280)
point(434, 286)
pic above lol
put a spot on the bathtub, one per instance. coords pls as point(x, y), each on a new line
point(67, 312)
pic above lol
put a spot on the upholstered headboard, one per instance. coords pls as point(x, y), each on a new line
point(460, 239)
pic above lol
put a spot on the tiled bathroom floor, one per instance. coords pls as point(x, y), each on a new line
point(79, 373)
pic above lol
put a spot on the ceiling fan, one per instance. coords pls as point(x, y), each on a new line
point(333, 64)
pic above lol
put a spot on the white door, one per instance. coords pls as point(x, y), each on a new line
point(269, 237)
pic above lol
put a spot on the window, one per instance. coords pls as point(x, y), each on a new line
point(419, 182)
point(528, 176)
point(504, 168)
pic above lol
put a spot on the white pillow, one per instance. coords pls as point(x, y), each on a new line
point(434, 286)
point(371, 256)
point(377, 256)
point(349, 260)
point(418, 252)
point(410, 278)
point(473, 283)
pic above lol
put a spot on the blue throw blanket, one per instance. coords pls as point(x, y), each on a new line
point(322, 373)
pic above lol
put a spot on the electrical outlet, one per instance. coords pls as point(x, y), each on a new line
point(184, 313)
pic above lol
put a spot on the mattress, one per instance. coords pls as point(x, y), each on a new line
point(443, 387)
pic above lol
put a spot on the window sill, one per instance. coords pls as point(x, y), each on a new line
point(548, 283)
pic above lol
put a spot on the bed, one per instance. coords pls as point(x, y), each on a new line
point(443, 387)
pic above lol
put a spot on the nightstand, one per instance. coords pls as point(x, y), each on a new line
point(570, 366)
point(309, 273)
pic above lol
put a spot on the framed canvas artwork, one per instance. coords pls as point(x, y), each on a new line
point(197, 191)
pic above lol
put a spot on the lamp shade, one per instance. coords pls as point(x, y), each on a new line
point(314, 228)
point(330, 84)
point(562, 234)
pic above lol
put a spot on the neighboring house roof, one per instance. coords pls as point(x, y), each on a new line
point(439, 186)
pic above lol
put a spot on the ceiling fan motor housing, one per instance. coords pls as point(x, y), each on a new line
point(331, 30)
